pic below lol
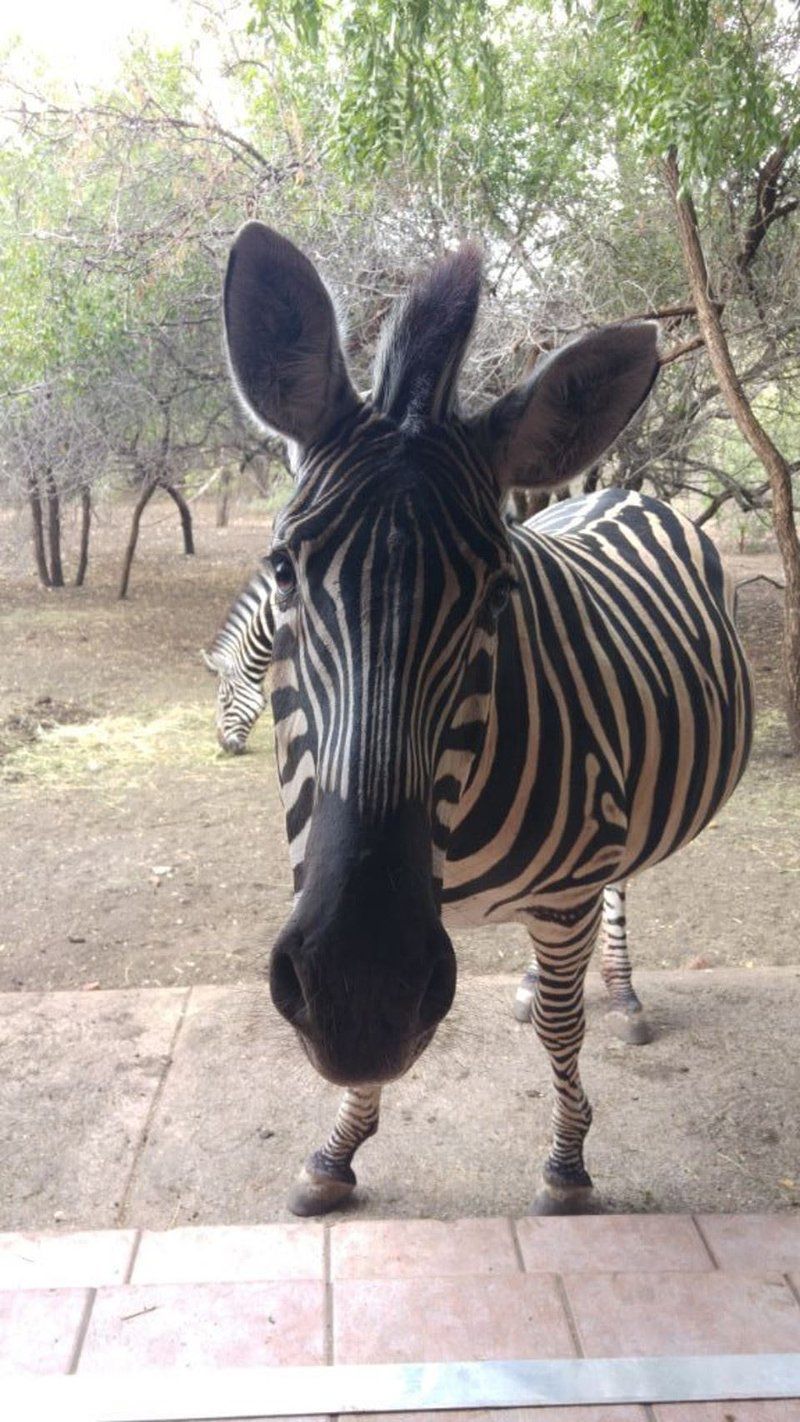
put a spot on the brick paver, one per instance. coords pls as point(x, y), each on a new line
point(230, 1254)
point(47, 1260)
point(205, 1325)
point(754, 1243)
point(636, 1315)
point(40, 1329)
point(618, 1243)
point(447, 1320)
point(414, 1249)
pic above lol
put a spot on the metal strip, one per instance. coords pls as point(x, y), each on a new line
point(175, 1395)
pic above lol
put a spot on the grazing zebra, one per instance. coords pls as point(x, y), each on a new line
point(240, 657)
point(472, 721)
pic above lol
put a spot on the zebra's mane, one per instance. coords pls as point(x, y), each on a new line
point(424, 341)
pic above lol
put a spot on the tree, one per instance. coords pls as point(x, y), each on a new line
point(710, 93)
point(115, 216)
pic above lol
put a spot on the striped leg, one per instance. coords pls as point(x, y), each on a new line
point(327, 1178)
point(563, 942)
point(625, 1013)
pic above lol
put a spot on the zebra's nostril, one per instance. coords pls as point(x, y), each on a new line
point(286, 989)
point(437, 999)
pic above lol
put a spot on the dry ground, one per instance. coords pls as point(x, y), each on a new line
point(134, 853)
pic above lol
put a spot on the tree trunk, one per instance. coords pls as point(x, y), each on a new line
point(144, 499)
point(186, 517)
point(776, 467)
point(37, 529)
point(54, 531)
point(86, 523)
point(223, 498)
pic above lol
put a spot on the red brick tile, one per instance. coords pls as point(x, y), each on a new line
point(229, 1254)
point(39, 1329)
point(612, 1242)
point(787, 1410)
point(632, 1315)
point(754, 1243)
point(47, 1260)
point(206, 1325)
point(421, 1249)
point(441, 1320)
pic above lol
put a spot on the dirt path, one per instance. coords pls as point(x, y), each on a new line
point(134, 853)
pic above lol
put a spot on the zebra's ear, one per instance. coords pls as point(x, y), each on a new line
point(283, 339)
point(574, 405)
point(424, 340)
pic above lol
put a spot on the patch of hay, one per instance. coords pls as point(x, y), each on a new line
point(116, 752)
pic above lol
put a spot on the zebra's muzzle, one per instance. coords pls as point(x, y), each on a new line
point(363, 1022)
point(364, 969)
point(234, 745)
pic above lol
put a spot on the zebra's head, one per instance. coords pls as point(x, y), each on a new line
point(240, 701)
point(394, 573)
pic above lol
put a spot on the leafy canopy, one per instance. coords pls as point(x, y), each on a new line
point(432, 82)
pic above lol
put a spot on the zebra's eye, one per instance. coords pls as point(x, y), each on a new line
point(283, 568)
point(499, 593)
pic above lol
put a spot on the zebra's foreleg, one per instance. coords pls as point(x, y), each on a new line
point(563, 941)
point(327, 1178)
point(625, 1014)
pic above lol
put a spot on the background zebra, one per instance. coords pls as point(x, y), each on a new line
point(240, 656)
point(472, 722)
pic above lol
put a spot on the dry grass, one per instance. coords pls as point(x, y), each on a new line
point(117, 753)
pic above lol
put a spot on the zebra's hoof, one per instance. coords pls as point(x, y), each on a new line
point(566, 1193)
point(573, 1200)
point(631, 1027)
point(316, 1191)
point(523, 1005)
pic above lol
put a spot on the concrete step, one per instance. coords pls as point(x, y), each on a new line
point(162, 1107)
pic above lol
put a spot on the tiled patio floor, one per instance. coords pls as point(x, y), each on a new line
point(370, 1291)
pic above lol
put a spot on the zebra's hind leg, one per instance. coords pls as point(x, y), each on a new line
point(327, 1179)
point(625, 1013)
point(563, 940)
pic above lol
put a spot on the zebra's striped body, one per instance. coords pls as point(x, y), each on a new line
point(474, 724)
point(239, 657)
point(620, 718)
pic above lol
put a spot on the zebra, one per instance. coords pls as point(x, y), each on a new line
point(473, 723)
point(240, 656)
